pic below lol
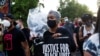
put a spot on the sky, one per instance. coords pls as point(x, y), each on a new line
point(50, 5)
point(92, 4)
point(54, 4)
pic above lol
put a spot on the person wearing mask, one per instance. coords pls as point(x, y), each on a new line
point(76, 36)
point(15, 43)
point(55, 32)
point(61, 24)
point(26, 31)
point(68, 25)
point(91, 47)
point(86, 30)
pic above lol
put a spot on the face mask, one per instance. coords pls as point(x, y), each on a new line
point(18, 26)
point(88, 23)
point(52, 23)
point(80, 23)
point(6, 23)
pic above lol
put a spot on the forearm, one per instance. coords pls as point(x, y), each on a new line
point(75, 40)
point(27, 51)
point(87, 53)
point(26, 48)
point(83, 38)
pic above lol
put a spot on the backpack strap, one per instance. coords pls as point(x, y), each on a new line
point(81, 29)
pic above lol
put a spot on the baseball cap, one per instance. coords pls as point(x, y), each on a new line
point(86, 17)
point(9, 16)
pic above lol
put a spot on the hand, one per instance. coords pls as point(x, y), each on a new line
point(32, 37)
point(86, 37)
point(56, 35)
point(89, 34)
point(77, 46)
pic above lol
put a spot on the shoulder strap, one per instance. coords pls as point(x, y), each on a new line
point(81, 29)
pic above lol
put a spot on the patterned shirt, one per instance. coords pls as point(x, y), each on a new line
point(92, 45)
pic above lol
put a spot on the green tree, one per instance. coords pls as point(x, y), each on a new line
point(21, 8)
point(72, 9)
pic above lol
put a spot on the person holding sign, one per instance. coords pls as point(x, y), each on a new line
point(57, 41)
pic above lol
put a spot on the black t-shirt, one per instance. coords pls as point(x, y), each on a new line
point(76, 31)
point(12, 42)
point(48, 39)
point(26, 32)
point(70, 27)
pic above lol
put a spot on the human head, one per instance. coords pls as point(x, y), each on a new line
point(19, 23)
point(87, 19)
point(53, 18)
point(66, 19)
point(8, 19)
point(80, 22)
point(97, 29)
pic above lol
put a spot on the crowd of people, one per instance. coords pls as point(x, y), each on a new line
point(61, 38)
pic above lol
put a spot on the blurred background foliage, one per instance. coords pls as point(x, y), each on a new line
point(72, 9)
point(20, 8)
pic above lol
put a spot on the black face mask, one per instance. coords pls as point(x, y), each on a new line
point(52, 23)
point(80, 23)
point(88, 23)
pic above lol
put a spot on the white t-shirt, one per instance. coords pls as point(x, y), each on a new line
point(92, 45)
point(85, 32)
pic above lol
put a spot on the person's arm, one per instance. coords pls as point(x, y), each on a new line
point(89, 48)
point(24, 43)
point(80, 34)
point(75, 40)
point(71, 41)
point(81, 38)
point(26, 48)
point(87, 53)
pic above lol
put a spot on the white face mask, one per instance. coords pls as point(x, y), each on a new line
point(6, 23)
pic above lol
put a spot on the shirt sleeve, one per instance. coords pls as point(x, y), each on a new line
point(90, 47)
point(46, 36)
point(22, 37)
